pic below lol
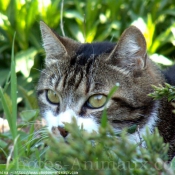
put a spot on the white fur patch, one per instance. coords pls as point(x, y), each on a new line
point(132, 47)
point(88, 124)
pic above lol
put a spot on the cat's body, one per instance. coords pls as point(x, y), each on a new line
point(78, 77)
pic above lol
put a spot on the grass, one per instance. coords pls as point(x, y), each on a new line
point(11, 114)
point(16, 144)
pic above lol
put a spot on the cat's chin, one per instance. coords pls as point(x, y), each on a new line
point(54, 122)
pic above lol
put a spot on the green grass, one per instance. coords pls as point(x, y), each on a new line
point(11, 114)
point(104, 154)
point(17, 145)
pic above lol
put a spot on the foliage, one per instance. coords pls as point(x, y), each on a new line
point(168, 91)
point(104, 153)
point(17, 144)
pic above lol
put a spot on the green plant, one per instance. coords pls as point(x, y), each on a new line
point(104, 153)
point(167, 91)
point(11, 115)
point(17, 144)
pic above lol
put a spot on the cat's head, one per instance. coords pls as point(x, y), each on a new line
point(78, 78)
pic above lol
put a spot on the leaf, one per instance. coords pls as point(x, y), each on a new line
point(31, 100)
point(3, 48)
point(28, 115)
point(113, 90)
point(132, 129)
point(2, 167)
point(73, 14)
point(6, 103)
point(104, 119)
point(104, 114)
point(4, 74)
point(3, 144)
point(13, 93)
point(172, 164)
point(12, 12)
point(31, 13)
point(25, 61)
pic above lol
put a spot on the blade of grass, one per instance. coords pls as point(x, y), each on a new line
point(27, 116)
point(13, 92)
point(104, 114)
point(5, 107)
point(14, 105)
point(7, 82)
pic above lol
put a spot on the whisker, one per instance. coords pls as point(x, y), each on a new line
point(40, 131)
point(35, 122)
point(43, 137)
point(41, 71)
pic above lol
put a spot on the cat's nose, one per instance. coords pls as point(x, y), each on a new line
point(59, 130)
point(63, 132)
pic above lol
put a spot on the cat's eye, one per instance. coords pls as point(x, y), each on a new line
point(52, 97)
point(96, 101)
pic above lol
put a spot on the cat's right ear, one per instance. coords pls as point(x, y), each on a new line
point(130, 51)
point(52, 45)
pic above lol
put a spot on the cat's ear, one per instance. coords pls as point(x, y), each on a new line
point(51, 43)
point(57, 47)
point(130, 51)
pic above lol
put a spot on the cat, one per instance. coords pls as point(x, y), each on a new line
point(78, 78)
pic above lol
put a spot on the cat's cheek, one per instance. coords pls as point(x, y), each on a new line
point(51, 120)
point(88, 123)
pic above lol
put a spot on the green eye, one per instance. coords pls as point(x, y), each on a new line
point(52, 97)
point(96, 101)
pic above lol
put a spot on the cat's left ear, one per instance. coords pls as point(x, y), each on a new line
point(51, 43)
point(130, 51)
point(56, 47)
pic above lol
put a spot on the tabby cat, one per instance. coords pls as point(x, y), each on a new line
point(78, 78)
